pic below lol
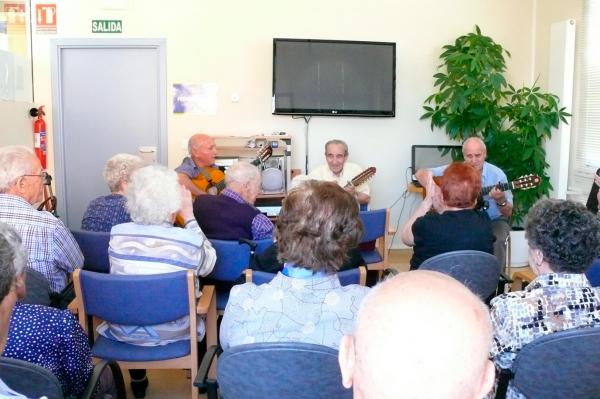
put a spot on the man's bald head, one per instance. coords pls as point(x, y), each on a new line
point(202, 150)
point(420, 334)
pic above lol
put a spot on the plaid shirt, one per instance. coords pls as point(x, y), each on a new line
point(550, 303)
point(52, 249)
point(261, 227)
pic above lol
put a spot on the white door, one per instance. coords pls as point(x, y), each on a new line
point(109, 96)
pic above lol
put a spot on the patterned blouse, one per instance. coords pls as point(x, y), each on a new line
point(53, 339)
point(314, 310)
point(104, 212)
point(550, 303)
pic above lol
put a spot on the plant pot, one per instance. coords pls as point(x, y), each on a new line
point(519, 256)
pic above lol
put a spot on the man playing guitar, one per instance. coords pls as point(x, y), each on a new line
point(196, 172)
point(340, 171)
point(499, 202)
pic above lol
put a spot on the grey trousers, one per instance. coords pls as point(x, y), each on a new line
point(501, 229)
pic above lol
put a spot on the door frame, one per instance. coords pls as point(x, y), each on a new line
point(56, 47)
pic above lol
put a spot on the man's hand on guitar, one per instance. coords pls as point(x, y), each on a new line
point(498, 195)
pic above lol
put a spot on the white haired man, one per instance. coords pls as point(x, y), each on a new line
point(51, 248)
point(339, 170)
point(499, 202)
point(231, 215)
point(419, 335)
point(196, 171)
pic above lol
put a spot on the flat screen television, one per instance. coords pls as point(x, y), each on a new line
point(334, 77)
point(431, 156)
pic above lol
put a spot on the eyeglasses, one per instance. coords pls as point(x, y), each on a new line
point(44, 175)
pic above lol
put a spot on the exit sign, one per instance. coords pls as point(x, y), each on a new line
point(107, 26)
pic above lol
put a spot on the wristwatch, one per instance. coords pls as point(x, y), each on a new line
point(502, 204)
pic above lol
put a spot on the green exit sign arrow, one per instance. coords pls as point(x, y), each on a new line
point(107, 26)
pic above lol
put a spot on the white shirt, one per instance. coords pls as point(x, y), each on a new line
point(350, 171)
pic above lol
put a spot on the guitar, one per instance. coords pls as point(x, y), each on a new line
point(49, 202)
point(362, 177)
point(212, 180)
point(524, 182)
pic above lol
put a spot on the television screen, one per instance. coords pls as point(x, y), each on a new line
point(333, 77)
point(431, 156)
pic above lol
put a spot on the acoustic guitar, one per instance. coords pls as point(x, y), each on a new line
point(212, 180)
point(362, 177)
point(524, 182)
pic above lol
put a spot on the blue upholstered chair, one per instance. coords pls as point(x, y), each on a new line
point(479, 271)
point(233, 257)
point(347, 277)
point(561, 365)
point(94, 246)
point(593, 273)
point(275, 370)
point(35, 381)
point(376, 225)
point(140, 300)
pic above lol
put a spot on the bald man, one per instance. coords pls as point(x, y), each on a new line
point(419, 334)
point(197, 170)
point(499, 203)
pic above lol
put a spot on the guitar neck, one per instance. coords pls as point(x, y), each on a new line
point(501, 186)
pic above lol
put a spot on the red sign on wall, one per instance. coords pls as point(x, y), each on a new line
point(45, 16)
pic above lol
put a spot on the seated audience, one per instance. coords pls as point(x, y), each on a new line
point(51, 248)
point(419, 335)
point(48, 337)
point(231, 215)
point(454, 224)
point(106, 211)
point(317, 225)
point(150, 244)
point(564, 239)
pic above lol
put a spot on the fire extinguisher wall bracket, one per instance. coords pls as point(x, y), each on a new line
point(33, 112)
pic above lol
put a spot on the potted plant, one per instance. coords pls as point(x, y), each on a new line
point(473, 98)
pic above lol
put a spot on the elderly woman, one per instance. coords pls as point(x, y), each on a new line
point(317, 225)
point(39, 334)
point(564, 239)
point(150, 244)
point(106, 211)
point(455, 224)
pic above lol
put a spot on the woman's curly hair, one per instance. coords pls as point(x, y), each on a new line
point(317, 226)
point(566, 232)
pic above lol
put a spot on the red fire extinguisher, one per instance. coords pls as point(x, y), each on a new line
point(39, 134)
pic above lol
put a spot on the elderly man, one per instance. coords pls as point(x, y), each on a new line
point(196, 172)
point(420, 334)
point(340, 171)
point(52, 249)
point(232, 215)
point(499, 202)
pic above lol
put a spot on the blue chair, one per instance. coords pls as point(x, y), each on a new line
point(35, 381)
point(140, 300)
point(376, 224)
point(477, 270)
point(94, 246)
point(560, 365)
point(593, 273)
point(288, 370)
point(233, 257)
point(347, 277)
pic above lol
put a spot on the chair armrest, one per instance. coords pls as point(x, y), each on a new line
point(208, 295)
point(73, 306)
point(505, 279)
point(248, 275)
point(202, 381)
point(95, 381)
point(504, 377)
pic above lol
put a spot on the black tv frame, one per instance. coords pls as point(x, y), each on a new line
point(335, 112)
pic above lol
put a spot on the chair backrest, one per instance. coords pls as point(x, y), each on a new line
point(29, 379)
point(94, 246)
point(38, 288)
point(280, 370)
point(233, 258)
point(134, 299)
point(478, 270)
point(374, 224)
point(560, 365)
point(347, 277)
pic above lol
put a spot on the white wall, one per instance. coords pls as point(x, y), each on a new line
point(230, 43)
